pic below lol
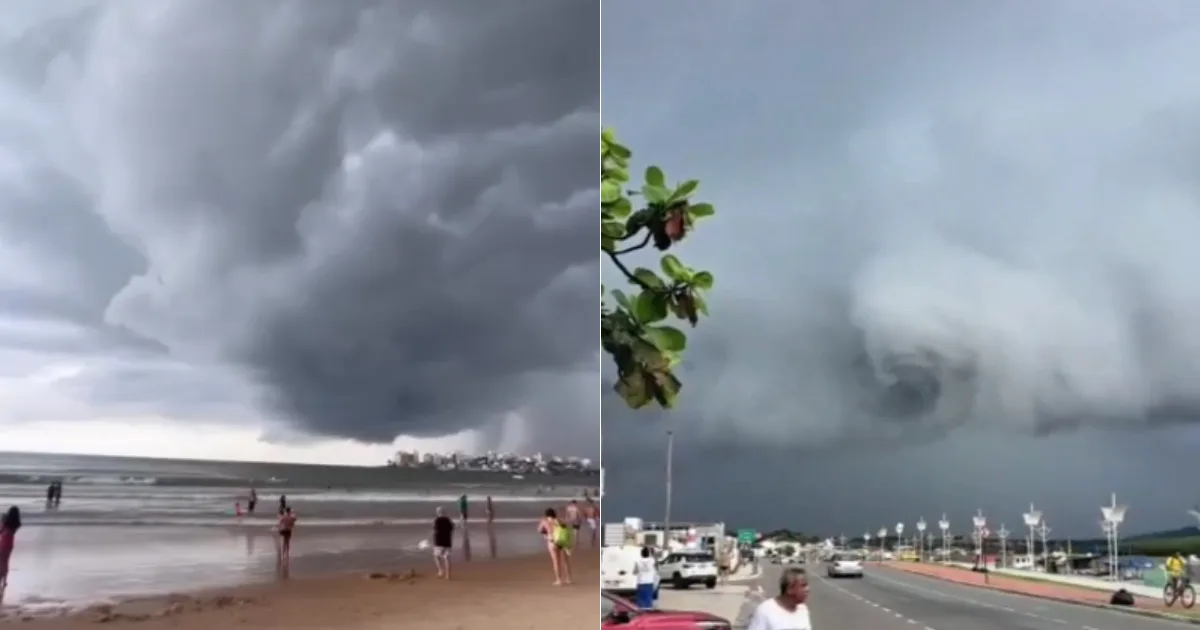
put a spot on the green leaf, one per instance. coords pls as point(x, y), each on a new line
point(649, 307)
point(623, 300)
point(655, 177)
point(702, 280)
point(701, 305)
point(607, 244)
point(674, 269)
point(666, 389)
point(612, 229)
point(655, 194)
point(649, 277)
point(610, 191)
point(667, 338)
point(616, 173)
point(701, 210)
point(685, 189)
point(632, 389)
point(621, 208)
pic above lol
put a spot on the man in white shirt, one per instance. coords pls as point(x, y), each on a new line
point(646, 570)
point(787, 611)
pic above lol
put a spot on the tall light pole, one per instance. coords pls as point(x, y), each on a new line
point(842, 542)
point(921, 540)
point(1043, 532)
point(1114, 515)
point(980, 524)
point(1002, 534)
point(882, 541)
point(1033, 518)
point(667, 508)
point(899, 532)
point(944, 525)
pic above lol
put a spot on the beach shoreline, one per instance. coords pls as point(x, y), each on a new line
point(508, 593)
point(69, 568)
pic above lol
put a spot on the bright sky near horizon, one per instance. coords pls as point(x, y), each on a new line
point(141, 438)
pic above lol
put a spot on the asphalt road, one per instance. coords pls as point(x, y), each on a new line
point(889, 600)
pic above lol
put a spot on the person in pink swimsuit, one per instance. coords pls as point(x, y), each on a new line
point(9, 524)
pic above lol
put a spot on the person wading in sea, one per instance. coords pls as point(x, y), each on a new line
point(10, 522)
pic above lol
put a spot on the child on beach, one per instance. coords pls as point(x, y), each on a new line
point(9, 524)
point(558, 538)
point(287, 522)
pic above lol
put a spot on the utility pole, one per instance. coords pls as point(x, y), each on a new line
point(667, 509)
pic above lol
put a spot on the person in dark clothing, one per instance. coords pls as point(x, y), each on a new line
point(252, 501)
point(283, 506)
point(443, 541)
point(462, 508)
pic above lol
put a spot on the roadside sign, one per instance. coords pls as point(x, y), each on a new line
point(746, 536)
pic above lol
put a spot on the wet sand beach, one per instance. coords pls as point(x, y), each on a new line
point(57, 567)
point(504, 594)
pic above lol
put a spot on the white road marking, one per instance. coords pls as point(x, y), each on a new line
point(871, 603)
point(1009, 609)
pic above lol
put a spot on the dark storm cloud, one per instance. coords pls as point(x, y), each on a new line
point(947, 225)
point(378, 211)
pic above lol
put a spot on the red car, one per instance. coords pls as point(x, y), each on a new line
point(616, 612)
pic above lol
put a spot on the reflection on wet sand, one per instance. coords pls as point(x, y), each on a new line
point(74, 564)
point(466, 544)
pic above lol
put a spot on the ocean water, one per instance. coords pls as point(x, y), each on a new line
point(132, 491)
point(131, 527)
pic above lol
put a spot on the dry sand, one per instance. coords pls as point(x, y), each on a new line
point(506, 594)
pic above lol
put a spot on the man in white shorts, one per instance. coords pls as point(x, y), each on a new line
point(591, 514)
point(787, 611)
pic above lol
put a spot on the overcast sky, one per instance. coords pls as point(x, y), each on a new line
point(955, 259)
point(298, 229)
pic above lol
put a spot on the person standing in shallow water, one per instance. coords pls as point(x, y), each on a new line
point(462, 507)
point(10, 522)
point(490, 509)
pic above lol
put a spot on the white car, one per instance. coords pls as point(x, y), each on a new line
point(683, 569)
point(845, 566)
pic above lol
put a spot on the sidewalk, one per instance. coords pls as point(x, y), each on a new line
point(1032, 588)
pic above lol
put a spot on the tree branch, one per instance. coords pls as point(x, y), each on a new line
point(634, 248)
point(628, 275)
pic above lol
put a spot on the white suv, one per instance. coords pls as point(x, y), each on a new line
point(684, 569)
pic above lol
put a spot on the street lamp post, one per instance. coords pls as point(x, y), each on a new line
point(944, 525)
point(899, 534)
point(921, 539)
point(1032, 519)
point(1002, 534)
point(980, 524)
point(1043, 532)
point(1114, 515)
point(842, 542)
point(866, 546)
point(882, 541)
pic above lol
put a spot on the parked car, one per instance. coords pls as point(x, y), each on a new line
point(683, 569)
point(845, 566)
point(618, 612)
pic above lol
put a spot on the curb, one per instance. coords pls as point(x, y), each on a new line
point(1129, 610)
